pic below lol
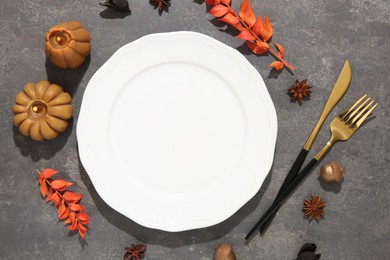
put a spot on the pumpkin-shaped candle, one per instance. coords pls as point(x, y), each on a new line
point(42, 110)
point(67, 44)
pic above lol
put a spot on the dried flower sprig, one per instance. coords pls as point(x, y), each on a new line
point(256, 33)
point(67, 202)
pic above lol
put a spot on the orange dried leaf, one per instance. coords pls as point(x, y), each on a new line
point(258, 47)
point(277, 65)
point(266, 33)
point(40, 179)
point(61, 209)
point(280, 49)
point(246, 13)
point(66, 213)
point(81, 234)
point(72, 196)
point(60, 184)
point(67, 221)
point(81, 227)
point(72, 217)
point(245, 35)
point(43, 189)
point(47, 173)
point(74, 225)
point(56, 199)
point(230, 20)
point(258, 26)
point(82, 216)
point(218, 11)
point(49, 195)
point(226, 2)
point(76, 207)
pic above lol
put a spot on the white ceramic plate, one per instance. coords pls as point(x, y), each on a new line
point(177, 131)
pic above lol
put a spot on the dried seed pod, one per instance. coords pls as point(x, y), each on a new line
point(332, 172)
point(224, 252)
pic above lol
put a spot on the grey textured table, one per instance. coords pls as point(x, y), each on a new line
point(317, 35)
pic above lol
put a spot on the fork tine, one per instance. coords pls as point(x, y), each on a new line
point(361, 120)
point(353, 113)
point(346, 112)
point(353, 118)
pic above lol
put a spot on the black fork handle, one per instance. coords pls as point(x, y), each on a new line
point(289, 178)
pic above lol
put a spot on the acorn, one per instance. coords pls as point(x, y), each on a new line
point(224, 252)
point(332, 172)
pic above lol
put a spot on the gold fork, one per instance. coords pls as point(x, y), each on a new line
point(346, 124)
point(342, 128)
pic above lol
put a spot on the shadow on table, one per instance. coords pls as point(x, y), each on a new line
point(45, 149)
point(68, 79)
point(172, 239)
point(109, 13)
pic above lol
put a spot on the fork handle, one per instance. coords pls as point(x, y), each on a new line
point(278, 202)
point(289, 178)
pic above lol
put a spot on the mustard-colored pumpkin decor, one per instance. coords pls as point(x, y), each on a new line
point(42, 110)
point(67, 44)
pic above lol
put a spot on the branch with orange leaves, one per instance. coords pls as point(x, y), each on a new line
point(67, 202)
point(256, 33)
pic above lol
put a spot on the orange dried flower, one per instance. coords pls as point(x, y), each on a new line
point(313, 207)
point(67, 202)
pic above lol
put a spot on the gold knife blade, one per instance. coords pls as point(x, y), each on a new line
point(339, 89)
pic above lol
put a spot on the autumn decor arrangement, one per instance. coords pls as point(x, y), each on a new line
point(42, 110)
point(313, 207)
point(299, 90)
point(67, 44)
point(256, 33)
point(307, 252)
point(332, 172)
point(67, 202)
point(224, 252)
point(134, 252)
point(120, 5)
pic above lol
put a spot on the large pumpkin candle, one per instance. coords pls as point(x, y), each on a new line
point(67, 44)
point(42, 110)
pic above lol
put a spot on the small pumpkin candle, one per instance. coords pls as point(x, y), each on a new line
point(42, 110)
point(67, 44)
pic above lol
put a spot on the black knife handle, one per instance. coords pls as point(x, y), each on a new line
point(289, 178)
point(278, 202)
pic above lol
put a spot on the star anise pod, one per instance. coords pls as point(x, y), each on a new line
point(134, 252)
point(313, 207)
point(299, 90)
point(160, 4)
